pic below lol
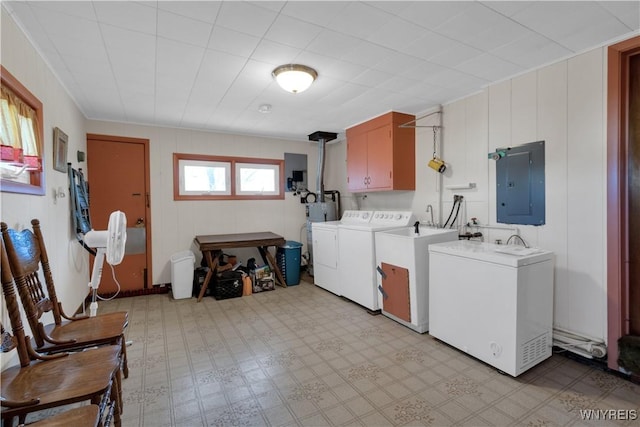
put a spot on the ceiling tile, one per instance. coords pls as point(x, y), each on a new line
point(177, 65)
point(245, 18)
point(489, 67)
point(429, 44)
point(333, 44)
point(182, 29)
point(77, 9)
point(455, 54)
point(393, 7)
point(586, 37)
point(396, 34)
point(366, 53)
point(234, 42)
point(359, 19)
point(559, 20)
point(430, 14)
point(475, 19)
point(316, 12)
point(275, 53)
point(422, 69)
point(394, 62)
point(292, 32)
point(626, 11)
point(371, 78)
point(129, 45)
point(531, 49)
point(130, 15)
point(331, 67)
point(206, 11)
point(508, 8)
point(497, 35)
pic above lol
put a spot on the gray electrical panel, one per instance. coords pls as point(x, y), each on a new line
point(520, 184)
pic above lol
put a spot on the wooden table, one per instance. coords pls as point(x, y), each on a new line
point(211, 247)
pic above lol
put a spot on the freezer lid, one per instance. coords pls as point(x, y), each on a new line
point(508, 255)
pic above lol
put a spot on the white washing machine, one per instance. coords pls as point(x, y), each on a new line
point(325, 248)
point(402, 257)
point(357, 250)
point(494, 302)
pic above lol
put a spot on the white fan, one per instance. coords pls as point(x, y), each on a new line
point(110, 242)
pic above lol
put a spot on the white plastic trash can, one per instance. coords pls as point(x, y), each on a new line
point(182, 274)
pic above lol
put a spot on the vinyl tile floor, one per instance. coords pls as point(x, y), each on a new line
point(301, 356)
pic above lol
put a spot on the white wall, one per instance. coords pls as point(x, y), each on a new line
point(69, 261)
point(175, 223)
point(563, 104)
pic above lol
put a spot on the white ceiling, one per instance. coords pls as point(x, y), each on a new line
point(207, 65)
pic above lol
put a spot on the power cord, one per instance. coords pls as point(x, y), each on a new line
point(113, 274)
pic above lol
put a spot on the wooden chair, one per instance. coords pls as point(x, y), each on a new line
point(42, 382)
point(84, 416)
point(27, 252)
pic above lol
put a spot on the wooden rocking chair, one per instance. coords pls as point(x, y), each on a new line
point(27, 252)
point(42, 382)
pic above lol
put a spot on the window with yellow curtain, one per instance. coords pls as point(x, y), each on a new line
point(20, 138)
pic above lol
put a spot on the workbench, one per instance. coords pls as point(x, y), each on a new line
point(212, 245)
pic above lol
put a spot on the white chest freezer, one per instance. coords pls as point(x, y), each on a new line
point(494, 302)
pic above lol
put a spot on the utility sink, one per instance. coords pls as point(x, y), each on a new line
point(399, 250)
point(424, 233)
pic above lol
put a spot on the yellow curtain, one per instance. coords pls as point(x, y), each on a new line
point(18, 124)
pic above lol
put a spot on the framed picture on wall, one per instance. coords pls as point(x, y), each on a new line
point(60, 140)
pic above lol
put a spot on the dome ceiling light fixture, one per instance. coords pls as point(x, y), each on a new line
point(294, 78)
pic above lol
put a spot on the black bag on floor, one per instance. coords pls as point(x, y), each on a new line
point(228, 284)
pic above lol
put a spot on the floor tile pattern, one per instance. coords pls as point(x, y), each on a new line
point(302, 356)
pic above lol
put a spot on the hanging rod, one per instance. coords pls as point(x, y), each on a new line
point(406, 125)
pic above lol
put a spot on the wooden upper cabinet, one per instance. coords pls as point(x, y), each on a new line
point(381, 156)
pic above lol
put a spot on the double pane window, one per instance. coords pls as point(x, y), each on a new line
point(202, 177)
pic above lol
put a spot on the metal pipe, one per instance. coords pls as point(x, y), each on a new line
point(320, 179)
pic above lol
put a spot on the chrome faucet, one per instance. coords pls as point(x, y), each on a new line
point(430, 209)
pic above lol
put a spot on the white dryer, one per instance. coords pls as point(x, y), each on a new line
point(357, 250)
point(325, 247)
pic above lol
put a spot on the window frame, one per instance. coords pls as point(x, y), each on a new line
point(239, 166)
point(182, 163)
point(178, 194)
point(37, 186)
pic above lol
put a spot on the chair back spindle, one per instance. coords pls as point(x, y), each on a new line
point(19, 340)
point(24, 252)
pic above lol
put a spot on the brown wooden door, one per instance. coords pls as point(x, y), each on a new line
point(396, 286)
point(118, 179)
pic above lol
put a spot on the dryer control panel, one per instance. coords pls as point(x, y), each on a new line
point(356, 217)
point(393, 218)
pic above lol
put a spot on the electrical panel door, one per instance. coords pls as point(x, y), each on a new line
point(520, 187)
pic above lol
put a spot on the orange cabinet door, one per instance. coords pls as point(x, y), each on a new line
point(357, 162)
point(380, 158)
